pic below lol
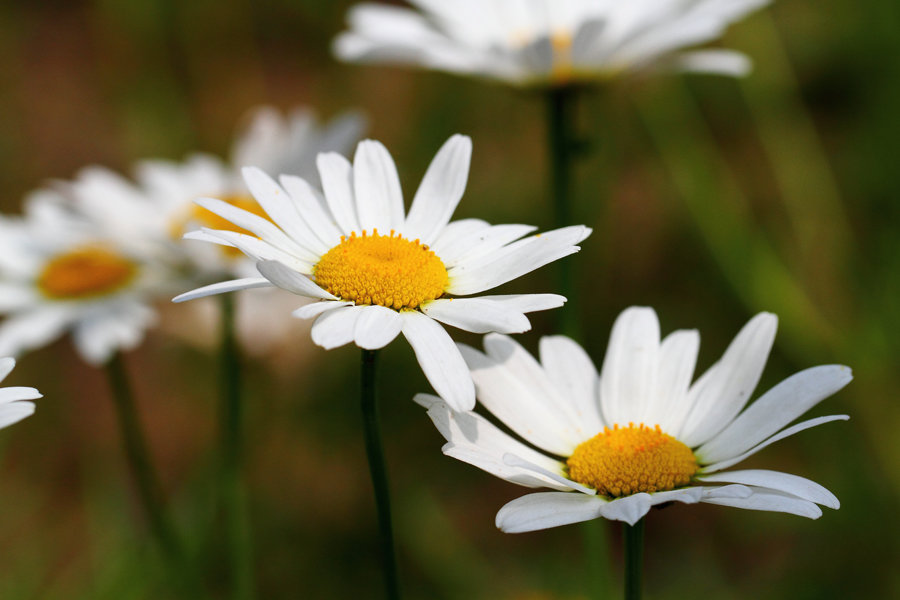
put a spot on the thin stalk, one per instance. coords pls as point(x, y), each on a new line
point(563, 147)
point(634, 559)
point(150, 492)
point(378, 472)
point(231, 483)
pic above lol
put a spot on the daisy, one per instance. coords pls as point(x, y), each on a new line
point(546, 42)
point(377, 271)
point(62, 272)
point(13, 405)
point(275, 143)
point(639, 434)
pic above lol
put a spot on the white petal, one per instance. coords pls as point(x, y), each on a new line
point(688, 495)
point(379, 200)
point(440, 360)
point(573, 373)
point(515, 260)
point(629, 509)
point(33, 329)
point(376, 327)
point(310, 210)
point(314, 309)
point(13, 413)
point(775, 409)
point(516, 461)
point(775, 480)
point(726, 391)
point(16, 393)
point(526, 303)
point(770, 501)
point(544, 510)
point(223, 287)
point(440, 191)
point(7, 364)
point(628, 376)
point(719, 62)
point(525, 402)
point(452, 238)
point(256, 248)
point(477, 315)
point(677, 358)
point(475, 244)
point(780, 436)
point(290, 280)
point(337, 175)
point(335, 328)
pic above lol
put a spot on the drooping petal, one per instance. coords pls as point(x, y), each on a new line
point(335, 328)
point(775, 480)
point(544, 510)
point(314, 309)
point(15, 412)
point(376, 327)
point(292, 281)
point(770, 501)
point(440, 360)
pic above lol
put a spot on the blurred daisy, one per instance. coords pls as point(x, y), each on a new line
point(546, 42)
point(378, 272)
point(275, 143)
point(60, 271)
point(640, 434)
point(13, 405)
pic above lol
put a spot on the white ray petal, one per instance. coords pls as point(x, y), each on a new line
point(223, 287)
point(376, 327)
point(440, 360)
point(335, 328)
point(337, 182)
point(770, 501)
point(573, 373)
point(314, 309)
point(376, 186)
point(544, 510)
point(628, 375)
point(292, 281)
point(477, 315)
point(775, 480)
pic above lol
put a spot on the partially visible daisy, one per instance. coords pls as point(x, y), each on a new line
point(378, 271)
point(14, 405)
point(640, 434)
point(275, 143)
point(546, 42)
point(59, 272)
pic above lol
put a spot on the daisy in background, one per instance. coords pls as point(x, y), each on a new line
point(14, 405)
point(377, 271)
point(546, 42)
point(639, 435)
point(62, 272)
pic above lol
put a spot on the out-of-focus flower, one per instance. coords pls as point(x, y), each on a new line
point(376, 271)
point(61, 271)
point(640, 434)
point(546, 42)
point(13, 400)
point(274, 143)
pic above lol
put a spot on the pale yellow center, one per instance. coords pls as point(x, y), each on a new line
point(84, 273)
point(387, 270)
point(628, 460)
point(199, 215)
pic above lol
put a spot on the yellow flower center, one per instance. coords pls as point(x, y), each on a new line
point(387, 270)
point(84, 273)
point(628, 460)
point(561, 41)
point(196, 214)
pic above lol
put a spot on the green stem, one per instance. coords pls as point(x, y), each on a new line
point(634, 558)
point(378, 471)
point(149, 490)
point(231, 484)
point(562, 144)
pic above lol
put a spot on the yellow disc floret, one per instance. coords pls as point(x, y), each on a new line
point(627, 460)
point(85, 272)
point(197, 215)
point(387, 270)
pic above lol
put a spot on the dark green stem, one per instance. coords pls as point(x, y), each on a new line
point(563, 146)
point(231, 485)
point(149, 490)
point(378, 471)
point(634, 559)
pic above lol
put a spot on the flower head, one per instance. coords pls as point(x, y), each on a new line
point(377, 270)
point(546, 42)
point(61, 271)
point(639, 434)
point(13, 400)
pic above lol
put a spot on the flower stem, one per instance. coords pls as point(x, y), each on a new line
point(149, 490)
point(634, 559)
point(378, 472)
point(231, 484)
point(562, 144)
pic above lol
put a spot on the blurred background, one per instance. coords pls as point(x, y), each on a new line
point(711, 199)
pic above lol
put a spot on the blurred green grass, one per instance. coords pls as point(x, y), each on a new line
point(711, 200)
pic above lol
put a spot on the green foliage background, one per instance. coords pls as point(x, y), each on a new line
point(711, 199)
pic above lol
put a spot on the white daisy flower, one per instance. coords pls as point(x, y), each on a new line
point(378, 272)
point(272, 142)
point(639, 434)
point(13, 400)
point(59, 271)
point(546, 42)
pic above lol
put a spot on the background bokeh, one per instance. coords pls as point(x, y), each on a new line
point(711, 199)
